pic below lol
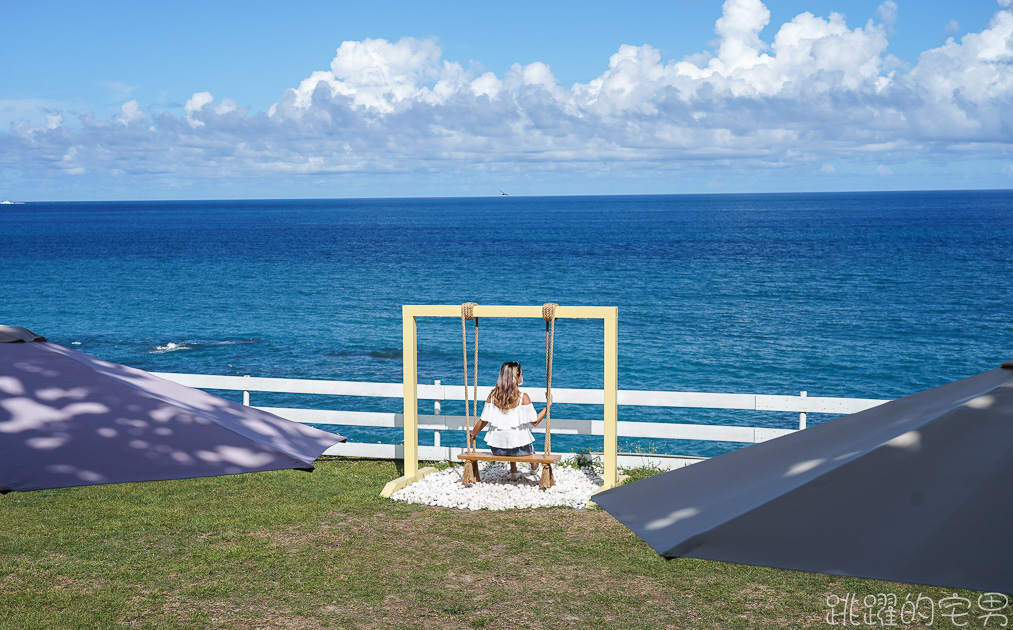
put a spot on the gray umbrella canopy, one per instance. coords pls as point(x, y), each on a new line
point(69, 419)
point(919, 489)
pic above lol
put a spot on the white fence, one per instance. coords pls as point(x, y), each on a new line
point(801, 404)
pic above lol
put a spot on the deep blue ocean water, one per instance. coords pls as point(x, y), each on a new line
point(870, 295)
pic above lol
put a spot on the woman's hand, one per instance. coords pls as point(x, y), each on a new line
point(473, 433)
point(548, 399)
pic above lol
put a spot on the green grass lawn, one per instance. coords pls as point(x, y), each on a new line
point(295, 550)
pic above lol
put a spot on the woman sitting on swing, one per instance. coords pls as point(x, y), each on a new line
point(510, 417)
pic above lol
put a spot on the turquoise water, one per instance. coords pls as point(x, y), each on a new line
point(873, 295)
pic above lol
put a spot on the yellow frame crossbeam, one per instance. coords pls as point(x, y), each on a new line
point(411, 312)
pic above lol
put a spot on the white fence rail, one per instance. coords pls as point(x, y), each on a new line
point(801, 404)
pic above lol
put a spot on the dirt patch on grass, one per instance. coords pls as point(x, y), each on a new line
point(756, 597)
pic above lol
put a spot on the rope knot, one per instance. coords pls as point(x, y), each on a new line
point(468, 310)
point(549, 311)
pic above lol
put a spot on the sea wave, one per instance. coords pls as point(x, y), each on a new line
point(172, 346)
point(177, 346)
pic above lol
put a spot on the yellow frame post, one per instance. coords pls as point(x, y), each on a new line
point(610, 317)
point(611, 411)
point(411, 399)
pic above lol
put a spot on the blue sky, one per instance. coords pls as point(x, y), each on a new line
point(125, 100)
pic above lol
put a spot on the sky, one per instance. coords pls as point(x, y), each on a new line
point(324, 99)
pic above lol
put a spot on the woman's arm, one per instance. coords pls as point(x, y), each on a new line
point(480, 424)
point(541, 414)
point(478, 428)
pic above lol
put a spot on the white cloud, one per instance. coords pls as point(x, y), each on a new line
point(194, 105)
point(887, 12)
point(820, 91)
point(738, 29)
point(130, 112)
point(487, 85)
point(965, 89)
point(69, 162)
point(374, 74)
point(808, 55)
point(197, 102)
point(226, 106)
point(53, 121)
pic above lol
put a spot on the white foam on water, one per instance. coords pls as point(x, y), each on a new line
point(497, 492)
point(170, 347)
point(173, 346)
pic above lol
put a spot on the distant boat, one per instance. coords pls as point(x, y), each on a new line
point(503, 193)
point(8, 202)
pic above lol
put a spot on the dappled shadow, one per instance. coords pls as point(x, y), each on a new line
point(69, 419)
point(914, 490)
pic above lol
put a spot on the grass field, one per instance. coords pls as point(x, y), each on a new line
point(322, 550)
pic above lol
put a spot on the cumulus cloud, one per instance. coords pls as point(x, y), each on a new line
point(194, 105)
point(374, 75)
point(130, 112)
point(820, 90)
point(965, 88)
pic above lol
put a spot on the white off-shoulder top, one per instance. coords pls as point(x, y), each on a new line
point(509, 428)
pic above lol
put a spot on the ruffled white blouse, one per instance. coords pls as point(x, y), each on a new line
point(509, 428)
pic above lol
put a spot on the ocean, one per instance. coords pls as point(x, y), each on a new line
point(868, 295)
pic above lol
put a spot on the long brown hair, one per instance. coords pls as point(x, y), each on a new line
point(506, 394)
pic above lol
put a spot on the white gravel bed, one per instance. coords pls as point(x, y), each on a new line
point(497, 492)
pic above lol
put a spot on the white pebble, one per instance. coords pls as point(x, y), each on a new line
point(496, 491)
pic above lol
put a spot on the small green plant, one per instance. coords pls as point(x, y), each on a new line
point(584, 458)
point(643, 471)
point(639, 448)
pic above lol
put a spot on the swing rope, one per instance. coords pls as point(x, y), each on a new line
point(468, 313)
point(549, 315)
point(471, 407)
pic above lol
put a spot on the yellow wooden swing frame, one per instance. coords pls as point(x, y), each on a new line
point(409, 322)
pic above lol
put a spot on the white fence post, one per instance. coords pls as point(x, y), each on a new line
point(801, 416)
point(436, 412)
point(246, 394)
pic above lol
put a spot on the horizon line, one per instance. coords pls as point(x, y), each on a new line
point(520, 196)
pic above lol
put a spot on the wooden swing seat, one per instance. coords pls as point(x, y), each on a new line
point(539, 458)
point(471, 474)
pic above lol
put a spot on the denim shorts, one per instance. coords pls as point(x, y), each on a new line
point(517, 451)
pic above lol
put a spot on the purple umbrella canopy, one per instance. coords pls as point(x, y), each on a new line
point(919, 489)
point(69, 419)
